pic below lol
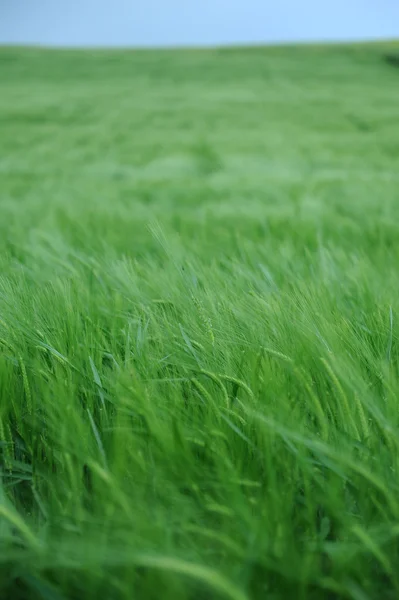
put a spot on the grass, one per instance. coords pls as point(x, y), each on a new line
point(199, 324)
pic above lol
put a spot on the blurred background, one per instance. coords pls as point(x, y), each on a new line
point(192, 23)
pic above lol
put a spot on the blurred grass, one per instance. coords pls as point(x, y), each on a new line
point(198, 323)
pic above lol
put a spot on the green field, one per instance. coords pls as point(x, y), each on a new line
point(199, 324)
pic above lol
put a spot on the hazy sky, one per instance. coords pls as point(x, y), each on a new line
point(193, 22)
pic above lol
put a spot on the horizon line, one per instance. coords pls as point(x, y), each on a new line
point(367, 41)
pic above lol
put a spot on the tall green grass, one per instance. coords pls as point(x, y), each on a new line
point(199, 324)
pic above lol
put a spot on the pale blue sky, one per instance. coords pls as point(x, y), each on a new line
point(193, 22)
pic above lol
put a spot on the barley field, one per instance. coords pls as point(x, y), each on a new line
point(199, 321)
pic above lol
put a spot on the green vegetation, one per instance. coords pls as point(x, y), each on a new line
point(199, 321)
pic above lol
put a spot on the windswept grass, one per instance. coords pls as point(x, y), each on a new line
point(199, 324)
